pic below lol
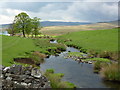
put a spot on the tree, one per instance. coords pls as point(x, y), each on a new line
point(12, 30)
point(28, 28)
point(22, 23)
point(35, 26)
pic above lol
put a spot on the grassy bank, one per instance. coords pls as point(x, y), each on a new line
point(94, 42)
point(13, 47)
point(55, 79)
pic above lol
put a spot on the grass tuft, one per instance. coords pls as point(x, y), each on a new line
point(55, 79)
point(111, 72)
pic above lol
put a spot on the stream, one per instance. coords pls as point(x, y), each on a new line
point(80, 74)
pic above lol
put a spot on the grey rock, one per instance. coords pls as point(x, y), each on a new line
point(36, 85)
point(15, 77)
point(6, 69)
point(1, 76)
point(23, 83)
point(44, 79)
point(89, 62)
point(9, 78)
point(22, 77)
point(28, 81)
point(18, 85)
point(36, 73)
point(16, 69)
point(7, 74)
point(27, 72)
point(1, 67)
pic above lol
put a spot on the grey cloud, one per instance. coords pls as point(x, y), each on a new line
point(89, 11)
point(35, 6)
point(72, 11)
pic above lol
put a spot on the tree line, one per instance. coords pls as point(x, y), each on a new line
point(24, 24)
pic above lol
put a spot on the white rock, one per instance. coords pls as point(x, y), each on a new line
point(29, 84)
point(22, 83)
point(89, 62)
point(6, 68)
point(36, 73)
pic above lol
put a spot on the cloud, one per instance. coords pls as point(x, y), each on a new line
point(7, 15)
point(60, 1)
point(67, 11)
point(89, 11)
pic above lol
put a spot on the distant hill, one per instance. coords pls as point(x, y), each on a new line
point(59, 30)
point(112, 22)
point(52, 23)
point(115, 22)
point(4, 25)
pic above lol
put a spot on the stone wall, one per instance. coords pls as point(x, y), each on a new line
point(18, 76)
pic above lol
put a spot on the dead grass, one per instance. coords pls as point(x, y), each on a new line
point(41, 55)
point(59, 30)
point(111, 72)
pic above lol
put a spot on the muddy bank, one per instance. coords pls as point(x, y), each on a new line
point(24, 60)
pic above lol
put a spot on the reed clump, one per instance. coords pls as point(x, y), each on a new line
point(111, 72)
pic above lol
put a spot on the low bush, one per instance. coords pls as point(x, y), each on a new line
point(111, 72)
point(98, 65)
point(108, 54)
point(37, 57)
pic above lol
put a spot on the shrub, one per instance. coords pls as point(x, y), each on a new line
point(110, 55)
point(42, 56)
point(111, 72)
point(37, 57)
point(98, 65)
point(92, 53)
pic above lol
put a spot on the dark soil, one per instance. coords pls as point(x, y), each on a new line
point(24, 60)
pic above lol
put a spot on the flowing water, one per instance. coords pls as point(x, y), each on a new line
point(81, 74)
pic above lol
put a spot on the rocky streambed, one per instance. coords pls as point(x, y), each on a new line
point(18, 76)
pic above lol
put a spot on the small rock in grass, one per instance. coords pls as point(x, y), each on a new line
point(89, 62)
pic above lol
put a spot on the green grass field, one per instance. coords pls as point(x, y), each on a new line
point(13, 47)
point(98, 40)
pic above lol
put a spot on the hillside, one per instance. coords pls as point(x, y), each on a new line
point(98, 40)
point(59, 30)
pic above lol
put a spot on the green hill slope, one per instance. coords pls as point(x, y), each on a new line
point(99, 40)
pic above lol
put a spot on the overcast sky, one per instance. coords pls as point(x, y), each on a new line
point(61, 11)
